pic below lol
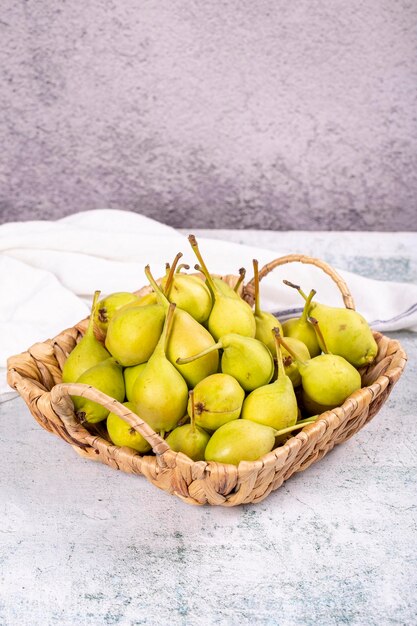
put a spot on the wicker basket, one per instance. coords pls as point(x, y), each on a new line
point(36, 375)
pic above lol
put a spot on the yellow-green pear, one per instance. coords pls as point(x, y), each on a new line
point(218, 399)
point(160, 393)
point(130, 375)
point(189, 439)
point(265, 322)
point(248, 360)
point(228, 314)
point(108, 306)
point(106, 376)
point(240, 440)
point(88, 352)
point(133, 333)
point(273, 405)
point(122, 434)
point(187, 337)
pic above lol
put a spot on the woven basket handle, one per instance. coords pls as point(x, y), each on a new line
point(301, 258)
point(62, 405)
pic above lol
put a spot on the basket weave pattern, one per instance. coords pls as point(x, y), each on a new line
point(36, 375)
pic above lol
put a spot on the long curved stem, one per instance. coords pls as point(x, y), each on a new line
point(281, 368)
point(319, 334)
point(256, 281)
point(242, 274)
point(90, 327)
point(170, 276)
point(162, 299)
point(306, 309)
point(196, 250)
point(290, 351)
point(289, 429)
point(190, 359)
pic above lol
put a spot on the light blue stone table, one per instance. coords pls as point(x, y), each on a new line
point(83, 544)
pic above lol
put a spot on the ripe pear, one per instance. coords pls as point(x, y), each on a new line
point(222, 285)
point(189, 293)
point(149, 298)
point(88, 352)
point(291, 367)
point(327, 379)
point(107, 307)
point(187, 337)
point(299, 328)
point(189, 439)
point(240, 440)
point(346, 333)
point(160, 393)
point(106, 376)
point(246, 359)
point(265, 322)
point(218, 399)
point(273, 405)
point(229, 314)
point(122, 434)
point(130, 375)
point(133, 333)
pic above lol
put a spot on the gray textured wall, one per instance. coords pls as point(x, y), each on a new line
point(266, 113)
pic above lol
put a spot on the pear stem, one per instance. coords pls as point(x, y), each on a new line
point(90, 327)
point(182, 266)
point(307, 420)
point(281, 368)
point(297, 287)
point(319, 334)
point(289, 429)
point(290, 351)
point(194, 245)
point(192, 416)
point(163, 300)
point(190, 359)
point(242, 274)
point(170, 276)
point(305, 313)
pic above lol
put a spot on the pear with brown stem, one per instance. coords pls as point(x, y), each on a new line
point(189, 439)
point(160, 393)
point(265, 322)
point(248, 360)
point(229, 314)
point(299, 328)
point(187, 337)
point(189, 293)
point(327, 379)
point(273, 405)
point(88, 352)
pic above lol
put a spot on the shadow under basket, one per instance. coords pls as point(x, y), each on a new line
point(36, 375)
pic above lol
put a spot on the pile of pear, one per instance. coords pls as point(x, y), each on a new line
point(219, 380)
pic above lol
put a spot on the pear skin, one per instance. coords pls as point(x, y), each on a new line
point(123, 435)
point(88, 352)
point(106, 376)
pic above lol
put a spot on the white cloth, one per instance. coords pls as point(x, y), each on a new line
point(49, 271)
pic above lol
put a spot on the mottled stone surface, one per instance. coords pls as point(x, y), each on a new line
point(267, 114)
point(81, 543)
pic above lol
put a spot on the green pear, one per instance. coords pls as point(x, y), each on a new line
point(187, 337)
point(299, 328)
point(218, 399)
point(265, 322)
point(106, 376)
point(228, 314)
point(189, 293)
point(240, 440)
point(108, 306)
point(273, 405)
point(122, 434)
point(130, 375)
point(88, 352)
point(133, 333)
point(291, 367)
point(346, 333)
point(160, 393)
point(189, 439)
point(246, 359)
